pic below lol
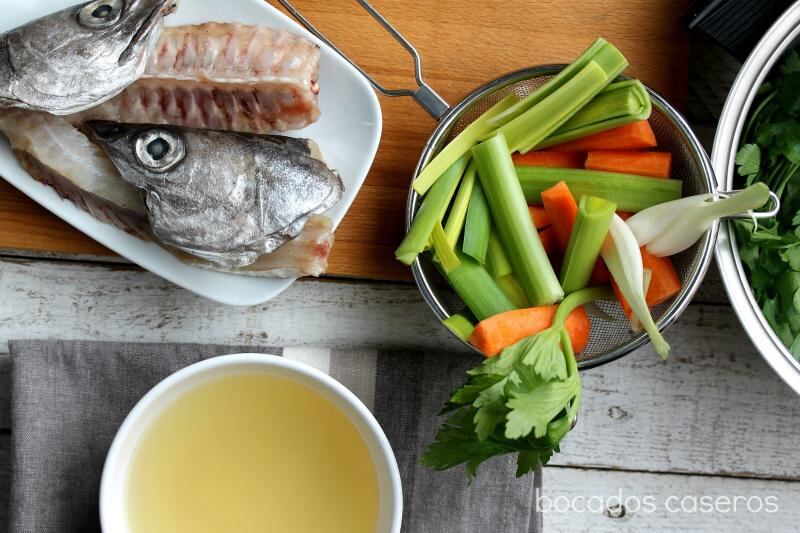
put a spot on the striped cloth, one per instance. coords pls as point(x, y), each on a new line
point(70, 397)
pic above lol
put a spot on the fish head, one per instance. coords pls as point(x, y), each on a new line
point(79, 57)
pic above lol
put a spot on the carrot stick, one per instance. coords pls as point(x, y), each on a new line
point(539, 216)
point(561, 209)
point(493, 334)
point(653, 164)
point(546, 158)
point(631, 136)
point(664, 282)
point(624, 215)
point(600, 274)
point(549, 240)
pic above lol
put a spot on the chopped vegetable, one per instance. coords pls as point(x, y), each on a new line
point(656, 219)
point(524, 401)
point(621, 255)
point(689, 224)
point(539, 216)
point(478, 225)
point(527, 130)
point(629, 192)
point(477, 289)
point(511, 288)
point(458, 212)
point(513, 222)
point(664, 280)
point(444, 252)
point(460, 325)
point(588, 234)
point(550, 159)
point(497, 262)
point(562, 209)
point(493, 334)
point(429, 213)
point(633, 136)
point(653, 164)
point(549, 240)
point(618, 104)
point(626, 308)
point(460, 146)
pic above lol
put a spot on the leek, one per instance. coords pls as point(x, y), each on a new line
point(429, 213)
point(477, 289)
point(460, 146)
point(618, 104)
point(624, 261)
point(458, 213)
point(630, 193)
point(459, 325)
point(445, 254)
point(530, 128)
point(511, 288)
point(513, 221)
point(479, 222)
point(496, 259)
point(588, 233)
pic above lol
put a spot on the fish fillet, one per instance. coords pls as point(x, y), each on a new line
point(222, 76)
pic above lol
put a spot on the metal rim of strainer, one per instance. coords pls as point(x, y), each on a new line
point(705, 247)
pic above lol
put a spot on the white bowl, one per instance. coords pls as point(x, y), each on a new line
point(348, 133)
point(113, 486)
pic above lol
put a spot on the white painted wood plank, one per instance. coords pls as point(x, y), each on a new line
point(714, 407)
point(664, 503)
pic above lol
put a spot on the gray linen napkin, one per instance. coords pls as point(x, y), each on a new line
point(69, 398)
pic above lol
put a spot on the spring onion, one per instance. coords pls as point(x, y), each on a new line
point(478, 225)
point(458, 212)
point(514, 225)
point(460, 146)
point(618, 104)
point(648, 277)
point(511, 288)
point(460, 325)
point(624, 261)
point(444, 252)
point(688, 224)
point(530, 128)
point(477, 289)
point(430, 213)
point(588, 234)
point(647, 224)
point(630, 193)
point(496, 259)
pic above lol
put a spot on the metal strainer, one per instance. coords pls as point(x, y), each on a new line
point(610, 339)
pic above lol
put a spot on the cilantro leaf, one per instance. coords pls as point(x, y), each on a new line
point(749, 159)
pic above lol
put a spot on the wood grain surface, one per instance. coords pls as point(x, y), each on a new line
point(463, 44)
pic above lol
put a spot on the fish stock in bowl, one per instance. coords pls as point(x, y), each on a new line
point(609, 340)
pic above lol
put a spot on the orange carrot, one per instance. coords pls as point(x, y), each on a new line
point(624, 215)
point(600, 274)
point(549, 240)
point(653, 164)
point(547, 158)
point(631, 136)
point(493, 334)
point(664, 282)
point(561, 209)
point(539, 216)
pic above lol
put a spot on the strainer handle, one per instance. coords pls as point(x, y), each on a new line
point(425, 96)
point(775, 207)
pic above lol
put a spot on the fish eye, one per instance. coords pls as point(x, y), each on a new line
point(101, 13)
point(159, 150)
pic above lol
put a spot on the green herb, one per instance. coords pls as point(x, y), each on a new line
point(770, 249)
point(523, 401)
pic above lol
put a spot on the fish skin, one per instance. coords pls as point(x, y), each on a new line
point(225, 76)
point(231, 197)
point(59, 65)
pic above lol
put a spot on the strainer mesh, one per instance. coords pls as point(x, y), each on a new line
point(606, 336)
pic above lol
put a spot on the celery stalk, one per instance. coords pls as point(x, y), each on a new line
point(514, 225)
point(460, 146)
point(529, 129)
point(458, 213)
point(445, 253)
point(511, 287)
point(477, 289)
point(478, 225)
point(429, 213)
point(551, 86)
point(496, 259)
point(618, 104)
point(459, 325)
point(588, 233)
point(630, 193)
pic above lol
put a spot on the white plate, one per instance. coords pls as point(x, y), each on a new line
point(348, 132)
